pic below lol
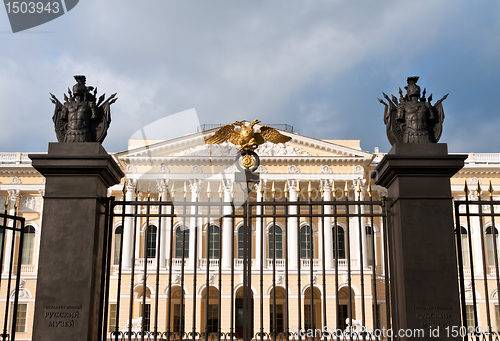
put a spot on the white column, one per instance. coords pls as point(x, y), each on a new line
point(37, 245)
point(363, 230)
point(164, 242)
point(128, 228)
point(227, 228)
point(260, 188)
point(293, 226)
point(194, 185)
point(476, 239)
point(13, 197)
point(327, 190)
point(382, 241)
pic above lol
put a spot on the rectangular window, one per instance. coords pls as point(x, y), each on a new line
point(307, 317)
point(178, 319)
point(147, 317)
point(469, 310)
point(497, 317)
point(213, 318)
point(112, 317)
point(28, 249)
point(22, 309)
point(280, 320)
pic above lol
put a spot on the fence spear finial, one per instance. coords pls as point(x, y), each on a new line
point(185, 189)
point(309, 189)
point(490, 189)
point(273, 189)
point(346, 190)
point(369, 190)
point(172, 191)
point(466, 189)
point(286, 189)
point(479, 190)
point(208, 190)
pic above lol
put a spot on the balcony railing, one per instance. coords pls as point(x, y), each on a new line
point(280, 263)
point(177, 262)
point(214, 263)
point(305, 263)
point(28, 268)
point(142, 261)
point(238, 263)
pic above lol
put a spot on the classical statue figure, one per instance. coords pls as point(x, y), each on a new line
point(81, 118)
point(413, 119)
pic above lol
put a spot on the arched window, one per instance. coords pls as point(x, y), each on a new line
point(181, 233)
point(117, 245)
point(340, 241)
point(214, 245)
point(279, 242)
point(369, 245)
point(465, 246)
point(305, 242)
point(490, 251)
point(241, 242)
point(28, 245)
point(151, 241)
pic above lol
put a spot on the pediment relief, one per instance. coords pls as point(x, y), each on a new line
point(193, 146)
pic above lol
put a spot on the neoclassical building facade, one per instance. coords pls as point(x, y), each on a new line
point(185, 168)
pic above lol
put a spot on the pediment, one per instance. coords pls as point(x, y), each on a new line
point(193, 146)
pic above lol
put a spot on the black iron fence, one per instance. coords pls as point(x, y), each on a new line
point(11, 246)
point(476, 232)
point(296, 268)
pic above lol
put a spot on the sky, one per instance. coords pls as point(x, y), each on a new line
point(318, 65)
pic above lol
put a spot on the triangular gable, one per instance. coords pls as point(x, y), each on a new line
point(194, 145)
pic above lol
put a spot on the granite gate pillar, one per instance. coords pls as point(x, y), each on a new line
point(424, 277)
point(68, 289)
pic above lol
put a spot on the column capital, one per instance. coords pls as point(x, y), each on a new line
point(261, 185)
point(194, 185)
point(129, 184)
point(292, 184)
point(162, 184)
point(14, 194)
point(327, 184)
point(227, 184)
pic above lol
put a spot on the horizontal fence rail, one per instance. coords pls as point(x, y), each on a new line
point(258, 269)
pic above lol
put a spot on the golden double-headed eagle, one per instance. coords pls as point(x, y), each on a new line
point(246, 138)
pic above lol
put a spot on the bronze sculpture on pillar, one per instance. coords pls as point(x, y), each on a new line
point(421, 238)
point(413, 119)
point(82, 118)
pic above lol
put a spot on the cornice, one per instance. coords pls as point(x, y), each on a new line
point(227, 160)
